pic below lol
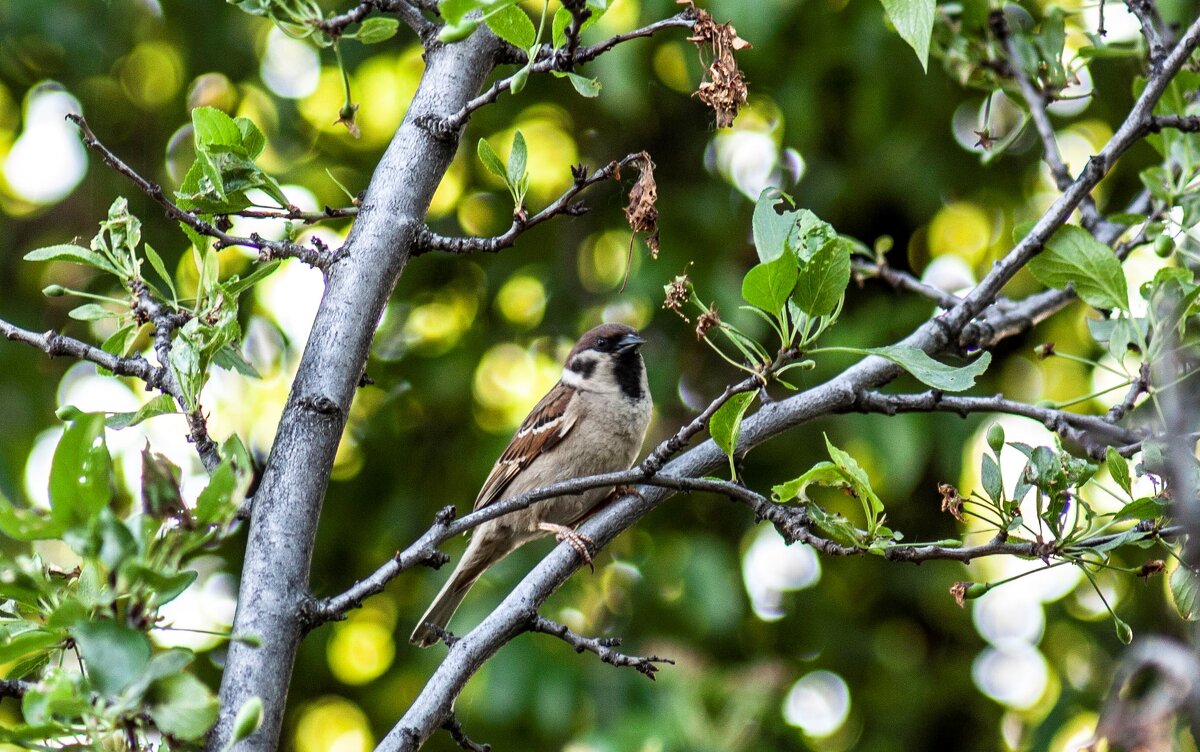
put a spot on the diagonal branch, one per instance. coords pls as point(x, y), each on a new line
point(903, 281)
point(55, 345)
point(410, 13)
point(564, 204)
point(272, 248)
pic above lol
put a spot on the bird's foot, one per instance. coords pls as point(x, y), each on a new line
point(583, 545)
point(620, 491)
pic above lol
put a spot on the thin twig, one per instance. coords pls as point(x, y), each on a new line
point(550, 60)
point(904, 281)
point(1091, 432)
point(1186, 123)
point(1140, 386)
point(276, 248)
point(1153, 29)
point(56, 345)
point(601, 646)
point(454, 726)
point(335, 26)
point(431, 241)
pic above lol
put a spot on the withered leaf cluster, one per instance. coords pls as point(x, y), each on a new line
point(641, 211)
point(724, 87)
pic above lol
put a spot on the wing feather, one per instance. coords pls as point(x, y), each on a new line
point(546, 425)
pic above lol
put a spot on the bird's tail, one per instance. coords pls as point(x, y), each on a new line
point(475, 560)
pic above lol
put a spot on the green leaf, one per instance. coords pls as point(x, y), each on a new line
point(517, 159)
point(26, 643)
point(913, 20)
point(215, 505)
point(74, 253)
point(558, 28)
point(60, 695)
point(1118, 468)
point(1072, 256)
point(1145, 508)
point(769, 285)
point(992, 484)
point(929, 371)
point(587, 87)
point(212, 127)
point(81, 471)
point(454, 10)
point(458, 31)
point(160, 268)
point(377, 29)
point(92, 312)
point(512, 24)
point(160, 405)
point(772, 230)
point(859, 482)
point(726, 424)
point(1184, 593)
point(230, 358)
point(253, 140)
point(491, 160)
point(166, 586)
point(519, 79)
point(114, 654)
point(248, 720)
point(822, 473)
point(182, 706)
point(823, 279)
point(235, 286)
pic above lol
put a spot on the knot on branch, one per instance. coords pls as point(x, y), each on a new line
point(320, 405)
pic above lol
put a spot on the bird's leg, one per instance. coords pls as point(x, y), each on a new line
point(582, 544)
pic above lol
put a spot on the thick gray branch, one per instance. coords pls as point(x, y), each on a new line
point(274, 586)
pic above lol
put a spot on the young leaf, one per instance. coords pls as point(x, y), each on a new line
point(74, 253)
point(491, 160)
point(992, 484)
point(932, 373)
point(160, 268)
point(913, 20)
point(725, 426)
point(182, 706)
point(822, 473)
point(513, 26)
point(377, 29)
point(160, 405)
point(860, 484)
point(249, 718)
point(253, 140)
point(1184, 593)
point(454, 10)
point(91, 312)
point(114, 654)
point(519, 79)
point(1073, 256)
point(212, 127)
point(1145, 508)
point(558, 28)
point(769, 285)
point(587, 87)
point(516, 160)
point(772, 230)
point(823, 279)
point(80, 473)
point(1118, 468)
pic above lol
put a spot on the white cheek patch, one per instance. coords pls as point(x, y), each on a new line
point(571, 378)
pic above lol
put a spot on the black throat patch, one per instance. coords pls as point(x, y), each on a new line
point(628, 372)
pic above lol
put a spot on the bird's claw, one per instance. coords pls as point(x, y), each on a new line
point(583, 545)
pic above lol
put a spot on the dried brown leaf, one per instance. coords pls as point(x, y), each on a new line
point(724, 87)
point(641, 211)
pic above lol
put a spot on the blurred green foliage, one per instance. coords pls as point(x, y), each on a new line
point(837, 98)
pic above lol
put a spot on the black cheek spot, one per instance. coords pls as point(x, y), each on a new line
point(582, 366)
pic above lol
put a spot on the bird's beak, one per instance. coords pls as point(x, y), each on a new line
point(629, 342)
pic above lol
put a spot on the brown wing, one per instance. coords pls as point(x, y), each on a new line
point(545, 426)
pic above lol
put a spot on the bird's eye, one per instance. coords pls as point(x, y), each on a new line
point(601, 343)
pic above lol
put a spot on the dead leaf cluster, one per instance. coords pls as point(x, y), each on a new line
point(724, 87)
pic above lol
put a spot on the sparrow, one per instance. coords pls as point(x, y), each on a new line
point(592, 421)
